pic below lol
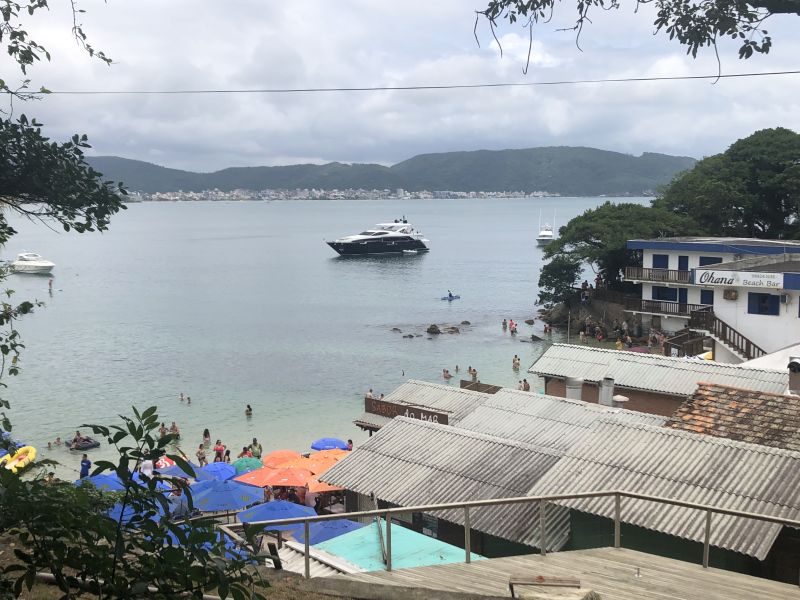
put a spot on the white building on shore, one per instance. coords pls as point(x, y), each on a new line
point(742, 293)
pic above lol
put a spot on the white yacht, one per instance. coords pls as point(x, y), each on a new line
point(545, 235)
point(546, 231)
point(398, 237)
point(30, 262)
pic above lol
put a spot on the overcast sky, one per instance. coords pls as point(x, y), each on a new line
point(241, 44)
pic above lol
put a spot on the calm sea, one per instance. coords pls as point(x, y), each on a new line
point(236, 303)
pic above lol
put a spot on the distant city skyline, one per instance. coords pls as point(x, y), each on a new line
point(310, 43)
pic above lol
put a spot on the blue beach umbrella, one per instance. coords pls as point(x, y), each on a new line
point(224, 495)
point(329, 444)
point(160, 485)
point(277, 509)
point(232, 550)
point(176, 471)
point(125, 515)
point(326, 530)
point(105, 482)
point(218, 470)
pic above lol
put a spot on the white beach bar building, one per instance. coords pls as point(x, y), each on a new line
point(742, 293)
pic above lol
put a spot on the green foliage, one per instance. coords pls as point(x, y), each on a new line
point(66, 530)
point(44, 179)
point(694, 25)
point(557, 280)
point(752, 189)
point(563, 170)
point(599, 236)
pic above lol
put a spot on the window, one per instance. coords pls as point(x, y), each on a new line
point(665, 293)
point(707, 297)
point(763, 304)
point(683, 263)
point(661, 261)
point(709, 260)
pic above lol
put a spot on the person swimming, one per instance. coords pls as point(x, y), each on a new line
point(248, 411)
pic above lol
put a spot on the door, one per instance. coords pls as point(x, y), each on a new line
point(682, 294)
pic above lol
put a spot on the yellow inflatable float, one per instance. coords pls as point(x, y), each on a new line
point(21, 458)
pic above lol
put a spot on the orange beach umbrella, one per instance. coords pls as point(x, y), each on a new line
point(287, 477)
point(277, 457)
point(320, 487)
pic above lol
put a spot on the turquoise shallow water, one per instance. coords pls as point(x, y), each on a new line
point(235, 303)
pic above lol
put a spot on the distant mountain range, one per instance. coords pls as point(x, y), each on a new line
point(569, 171)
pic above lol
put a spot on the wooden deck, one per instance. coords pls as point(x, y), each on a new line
point(610, 572)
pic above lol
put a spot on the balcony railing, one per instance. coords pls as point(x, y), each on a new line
point(661, 307)
point(657, 275)
point(684, 343)
point(541, 501)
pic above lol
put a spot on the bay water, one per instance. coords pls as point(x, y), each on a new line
point(236, 303)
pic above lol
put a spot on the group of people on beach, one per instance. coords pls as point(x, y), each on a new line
point(222, 453)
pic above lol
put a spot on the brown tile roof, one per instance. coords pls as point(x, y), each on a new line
point(743, 415)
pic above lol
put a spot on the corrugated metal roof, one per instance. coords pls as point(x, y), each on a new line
point(435, 396)
point(438, 397)
point(412, 462)
point(547, 421)
point(322, 564)
point(690, 467)
point(652, 372)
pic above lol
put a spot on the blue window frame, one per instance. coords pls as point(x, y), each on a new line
point(665, 293)
point(661, 261)
point(763, 304)
point(709, 260)
point(683, 263)
point(707, 297)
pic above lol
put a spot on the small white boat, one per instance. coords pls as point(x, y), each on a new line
point(30, 262)
point(545, 235)
point(546, 232)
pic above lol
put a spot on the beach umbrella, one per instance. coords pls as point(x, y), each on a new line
point(218, 470)
point(224, 495)
point(126, 515)
point(329, 444)
point(312, 463)
point(320, 487)
point(335, 453)
point(247, 463)
point(177, 471)
point(160, 485)
point(105, 482)
point(277, 457)
point(322, 531)
point(274, 510)
point(286, 477)
point(164, 462)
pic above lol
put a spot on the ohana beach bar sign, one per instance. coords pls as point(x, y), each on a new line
point(391, 410)
point(773, 281)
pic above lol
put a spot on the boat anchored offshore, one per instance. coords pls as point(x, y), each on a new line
point(546, 234)
point(398, 237)
point(30, 262)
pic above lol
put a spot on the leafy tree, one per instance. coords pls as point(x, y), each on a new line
point(599, 238)
point(62, 529)
point(122, 544)
point(694, 25)
point(557, 280)
point(752, 189)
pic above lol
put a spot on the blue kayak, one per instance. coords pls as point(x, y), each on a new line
point(451, 298)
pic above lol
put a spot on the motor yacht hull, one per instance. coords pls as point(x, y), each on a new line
point(365, 247)
point(32, 268)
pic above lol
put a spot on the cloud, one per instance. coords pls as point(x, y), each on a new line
point(198, 44)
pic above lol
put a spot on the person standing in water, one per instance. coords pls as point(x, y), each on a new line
point(86, 464)
point(248, 411)
point(201, 455)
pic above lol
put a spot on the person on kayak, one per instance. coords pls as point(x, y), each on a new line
point(449, 294)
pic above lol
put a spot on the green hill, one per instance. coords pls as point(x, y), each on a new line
point(568, 171)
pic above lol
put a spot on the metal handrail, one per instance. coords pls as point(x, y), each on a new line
point(542, 500)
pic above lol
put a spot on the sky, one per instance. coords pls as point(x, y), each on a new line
point(257, 44)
